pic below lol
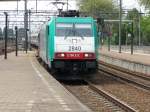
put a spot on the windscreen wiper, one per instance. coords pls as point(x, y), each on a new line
point(68, 33)
point(79, 34)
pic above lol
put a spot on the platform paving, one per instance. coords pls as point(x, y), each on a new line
point(136, 57)
point(27, 87)
point(137, 62)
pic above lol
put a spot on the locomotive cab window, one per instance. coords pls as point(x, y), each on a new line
point(83, 29)
point(71, 30)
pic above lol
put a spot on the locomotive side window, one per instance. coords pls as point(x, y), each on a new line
point(47, 29)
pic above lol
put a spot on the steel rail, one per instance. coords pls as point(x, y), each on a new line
point(140, 75)
point(123, 75)
point(111, 98)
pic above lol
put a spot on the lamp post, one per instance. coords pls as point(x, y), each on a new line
point(67, 5)
point(120, 25)
point(36, 6)
point(6, 36)
point(131, 35)
point(140, 28)
point(26, 26)
point(132, 38)
point(16, 29)
point(17, 6)
point(29, 29)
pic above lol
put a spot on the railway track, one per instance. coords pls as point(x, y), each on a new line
point(112, 99)
point(140, 80)
point(97, 99)
point(104, 93)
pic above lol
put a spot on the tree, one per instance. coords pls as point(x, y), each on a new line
point(103, 9)
point(145, 30)
point(98, 7)
point(145, 3)
point(134, 15)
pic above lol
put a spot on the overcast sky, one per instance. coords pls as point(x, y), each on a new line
point(47, 5)
point(42, 5)
point(128, 4)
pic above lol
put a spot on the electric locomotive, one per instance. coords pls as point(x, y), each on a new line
point(69, 43)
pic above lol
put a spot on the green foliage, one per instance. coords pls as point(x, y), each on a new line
point(145, 3)
point(146, 30)
point(104, 9)
point(145, 26)
point(134, 15)
point(97, 7)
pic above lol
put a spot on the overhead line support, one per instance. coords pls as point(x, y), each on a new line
point(120, 25)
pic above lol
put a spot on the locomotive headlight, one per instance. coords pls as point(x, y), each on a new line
point(62, 55)
point(86, 55)
point(59, 55)
point(89, 55)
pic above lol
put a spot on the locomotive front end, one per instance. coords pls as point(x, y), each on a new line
point(75, 46)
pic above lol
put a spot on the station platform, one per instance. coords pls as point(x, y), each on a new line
point(138, 62)
point(136, 57)
point(25, 86)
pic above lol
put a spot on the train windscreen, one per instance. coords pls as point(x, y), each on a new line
point(71, 30)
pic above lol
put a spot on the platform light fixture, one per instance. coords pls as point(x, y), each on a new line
point(6, 28)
